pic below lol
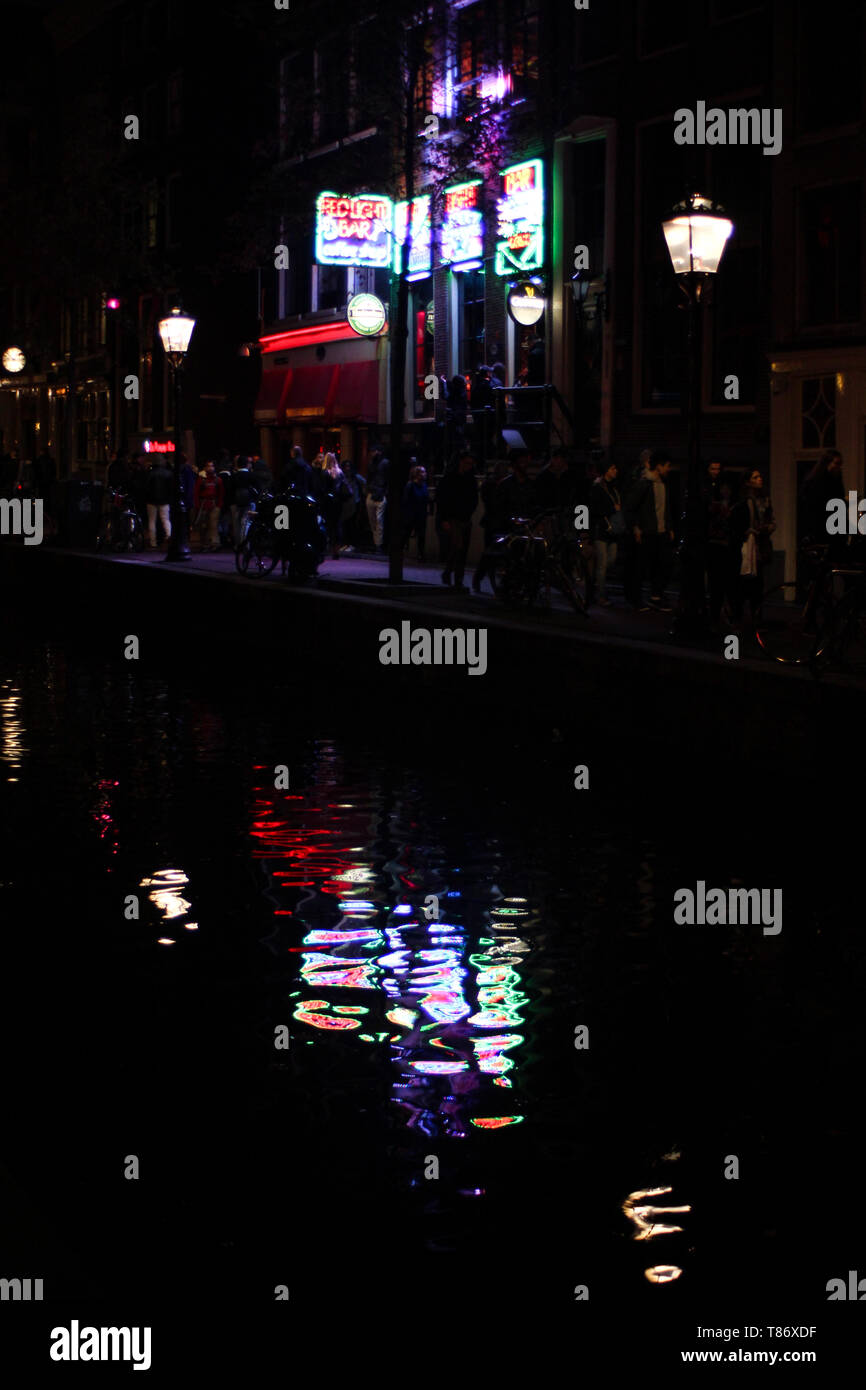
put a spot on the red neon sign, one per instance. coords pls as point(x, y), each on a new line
point(152, 446)
point(518, 180)
point(459, 198)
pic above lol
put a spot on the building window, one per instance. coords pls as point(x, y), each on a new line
point(152, 126)
point(423, 95)
point(330, 287)
point(829, 66)
point(332, 83)
point(663, 171)
point(818, 413)
point(421, 297)
point(720, 10)
point(831, 236)
point(737, 178)
point(470, 287)
point(173, 211)
point(175, 103)
point(598, 33)
point(524, 47)
point(296, 92)
point(661, 26)
point(470, 43)
point(366, 61)
point(146, 330)
point(152, 219)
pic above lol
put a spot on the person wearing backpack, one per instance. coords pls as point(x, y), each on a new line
point(607, 521)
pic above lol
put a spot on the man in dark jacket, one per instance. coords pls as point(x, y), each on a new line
point(456, 500)
point(296, 474)
point(160, 485)
point(607, 525)
point(648, 513)
point(515, 495)
point(719, 553)
point(241, 494)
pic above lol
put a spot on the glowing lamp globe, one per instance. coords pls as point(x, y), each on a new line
point(696, 235)
point(175, 332)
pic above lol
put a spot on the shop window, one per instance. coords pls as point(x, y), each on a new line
point(831, 268)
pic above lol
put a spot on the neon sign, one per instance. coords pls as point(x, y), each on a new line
point(152, 446)
point(420, 256)
point(354, 231)
point(463, 227)
point(520, 214)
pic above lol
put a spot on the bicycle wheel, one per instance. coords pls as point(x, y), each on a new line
point(263, 548)
point(791, 631)
point(569, 589)
point(847, 635)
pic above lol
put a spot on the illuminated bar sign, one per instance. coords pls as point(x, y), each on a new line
point(153, 446)
point(520, 214)
point(420, 259)
point(354, 231)
point(462, 244)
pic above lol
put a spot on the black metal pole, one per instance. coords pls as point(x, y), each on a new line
point(178, 549)
point(691, 616)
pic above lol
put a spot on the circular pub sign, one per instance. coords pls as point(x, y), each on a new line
point(526, 304)
point(366, 314)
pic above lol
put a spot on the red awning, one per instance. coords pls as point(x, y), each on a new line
point(310, 393)
point(270, 393)
point(357, 396)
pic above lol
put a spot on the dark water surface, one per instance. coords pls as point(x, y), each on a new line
point(416, 1045)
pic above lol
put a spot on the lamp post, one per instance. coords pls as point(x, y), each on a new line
point(175, 332)
point(696, 233)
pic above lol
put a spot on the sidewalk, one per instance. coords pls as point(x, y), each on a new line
point(364, 578)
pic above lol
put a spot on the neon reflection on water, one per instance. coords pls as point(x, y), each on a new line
point(418, 977)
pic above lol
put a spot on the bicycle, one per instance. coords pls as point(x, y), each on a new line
point(120, 526)
point(258, 544)
point(533, 558)
point(828, 627)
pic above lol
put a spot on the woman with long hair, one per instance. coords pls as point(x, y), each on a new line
point(752, 525)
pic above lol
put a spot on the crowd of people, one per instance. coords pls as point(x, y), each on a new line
point(631, 521)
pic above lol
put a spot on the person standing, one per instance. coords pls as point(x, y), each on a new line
point(607, 521)
point(377, 493)
point(208, 500)
point(240, 496)
point(752, 525)
point(297, 475)
point(649, 516)
point(456, 500)
point(160, 483)
point(415, 508)
point(338, 494)
point(717, 539)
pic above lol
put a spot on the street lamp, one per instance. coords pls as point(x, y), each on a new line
point(696, 234)
point(175, 332)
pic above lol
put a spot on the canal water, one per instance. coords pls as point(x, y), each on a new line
point(372, 999)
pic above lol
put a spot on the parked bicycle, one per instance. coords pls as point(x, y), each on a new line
point(120, 526)
point(828, 626)
point(284, 527)
point(535, 557)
